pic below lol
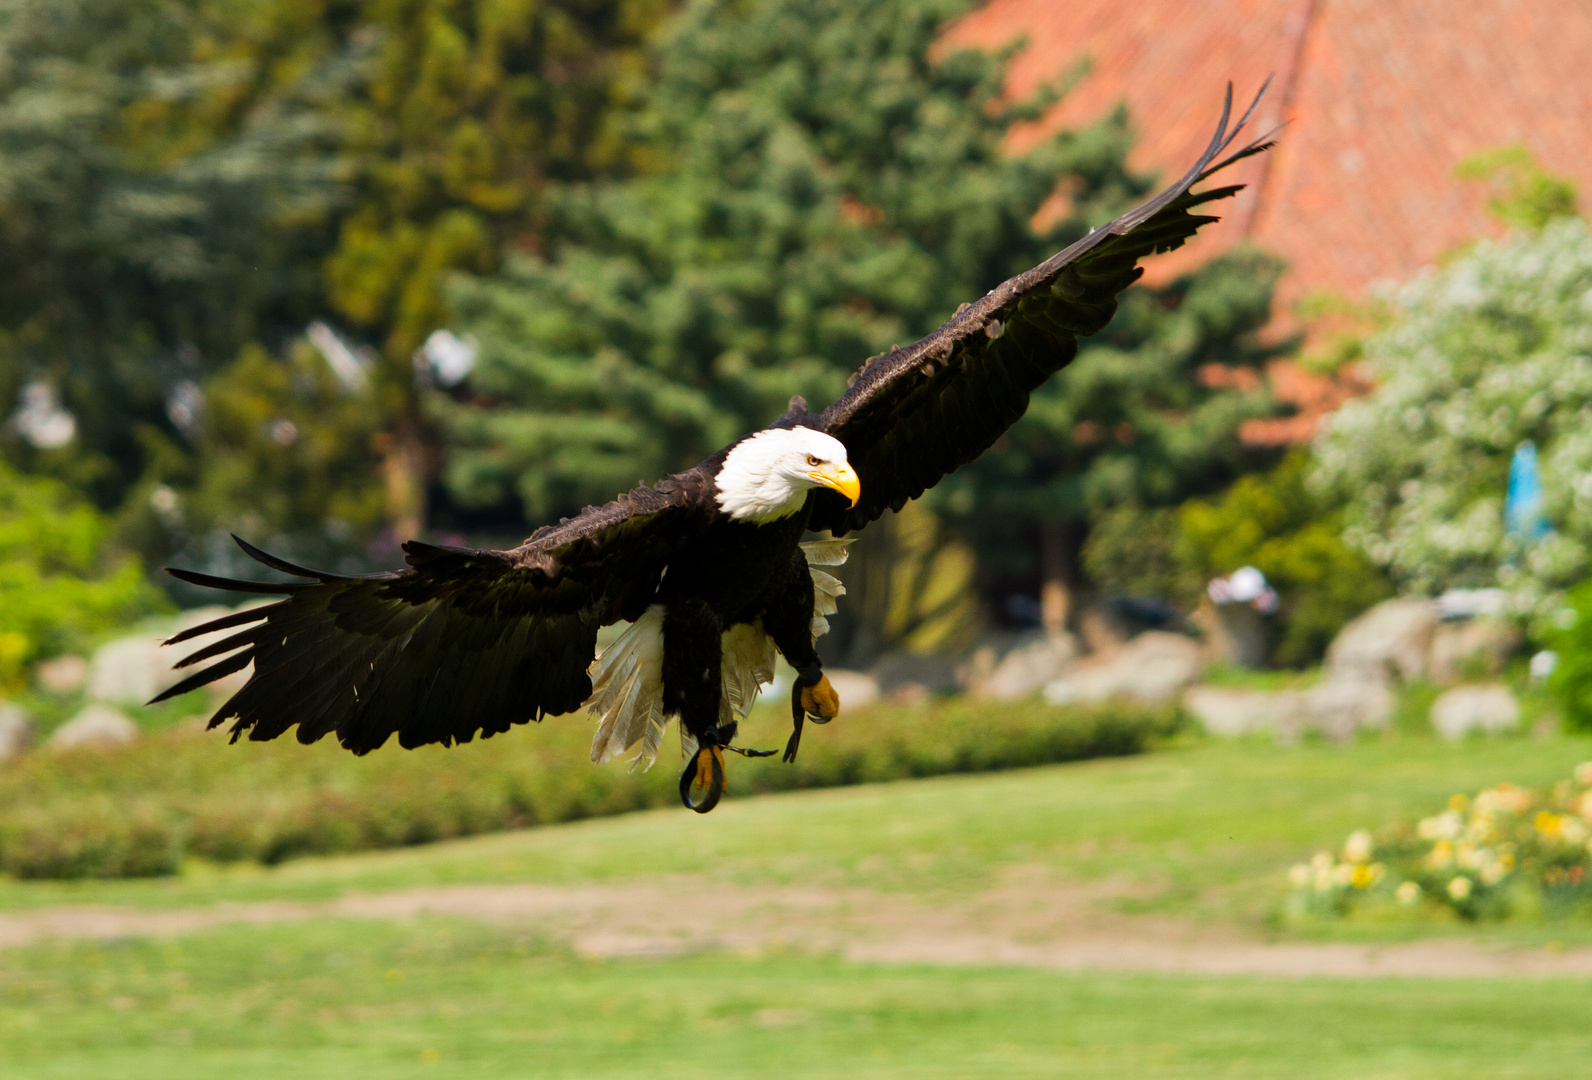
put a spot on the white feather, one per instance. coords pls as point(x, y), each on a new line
point(627, 677)
point(828, 552)
point(765, 477)
point(627, 687)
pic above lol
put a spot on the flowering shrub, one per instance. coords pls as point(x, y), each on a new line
point(1508, 851)
point(1492, 350)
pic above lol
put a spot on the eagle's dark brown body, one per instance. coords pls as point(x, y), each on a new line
point(465, 642)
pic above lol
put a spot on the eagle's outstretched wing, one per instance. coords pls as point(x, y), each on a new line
point(917, 413)
point(460, 642)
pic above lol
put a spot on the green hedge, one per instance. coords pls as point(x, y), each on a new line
point(139, 811)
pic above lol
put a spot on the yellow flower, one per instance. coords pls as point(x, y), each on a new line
point(1459, 888)
point(1441, 853)
point(1548, 824)
point(1361, 877)
point(1458, 803)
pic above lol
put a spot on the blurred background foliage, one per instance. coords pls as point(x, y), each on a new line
point(61, 581)
point(234, 225)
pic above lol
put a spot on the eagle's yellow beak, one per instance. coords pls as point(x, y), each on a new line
point(842, 477)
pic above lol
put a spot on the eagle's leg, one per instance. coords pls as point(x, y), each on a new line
point(692, 686)
point(788, 619)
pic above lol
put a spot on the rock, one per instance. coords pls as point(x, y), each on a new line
point(96, 725)
point(1339, 708)
point(1152, 667)
point(123, 672)
point(1227, 711)
point(1469, 648)
point(1112, 621)
point(854, 688)
point(1024, 669)
point(1386, 643)
point(1489, 707)
point(16, 730)
point(62, 675)
point(933, 674)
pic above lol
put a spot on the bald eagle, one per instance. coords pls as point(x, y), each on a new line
point(707, 567)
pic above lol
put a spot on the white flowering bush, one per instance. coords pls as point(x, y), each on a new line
point(1491, 350)
point(1508, 851)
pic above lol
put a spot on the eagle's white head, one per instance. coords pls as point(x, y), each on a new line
point(768, 475)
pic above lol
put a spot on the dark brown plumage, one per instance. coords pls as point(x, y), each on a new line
point(465, 642)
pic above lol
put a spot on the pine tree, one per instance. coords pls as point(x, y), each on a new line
point(165, 181)
point(467, 111)
point(826, 190)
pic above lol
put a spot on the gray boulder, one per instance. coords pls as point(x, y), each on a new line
point(1338, 710)
point(123, 672)
point(62, 675)
point(1387, 643)
point(1223, 710)
point(1341, 708)
point(1032, 661)
point(1468, 648)
point(16, 730)
point(1488, 708)
point(96, 725)
point(1152, 667)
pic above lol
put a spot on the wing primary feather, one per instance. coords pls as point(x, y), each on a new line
point(208, 675)
point(210, 581)
point(267, 559)
point(226, 622)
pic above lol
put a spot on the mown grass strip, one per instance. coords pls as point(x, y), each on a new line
point(435, 998)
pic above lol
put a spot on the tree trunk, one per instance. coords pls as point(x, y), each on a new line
point(1055, 577)
point(403, 468)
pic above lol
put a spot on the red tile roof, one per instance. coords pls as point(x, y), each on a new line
point(1385, 98)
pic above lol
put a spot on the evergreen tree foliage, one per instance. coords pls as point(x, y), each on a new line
point(166, 172)
point(186, 184)
point(468, 110)
point(826, 190)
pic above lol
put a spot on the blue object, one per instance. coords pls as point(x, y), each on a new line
point(1523, 505)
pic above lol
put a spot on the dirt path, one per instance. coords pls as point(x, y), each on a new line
point(1035, 925)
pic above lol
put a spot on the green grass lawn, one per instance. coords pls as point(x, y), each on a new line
point(440, 999)
point(1200, 830)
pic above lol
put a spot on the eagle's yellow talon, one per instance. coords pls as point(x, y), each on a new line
point(821, 700)
point(704, 769)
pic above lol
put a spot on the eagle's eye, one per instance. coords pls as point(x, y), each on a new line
point(813, 461)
